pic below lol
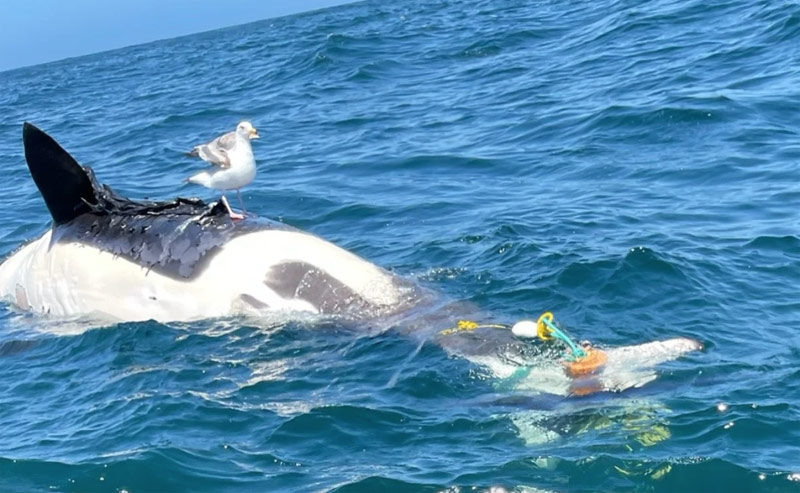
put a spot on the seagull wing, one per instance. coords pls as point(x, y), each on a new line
point(216, 151)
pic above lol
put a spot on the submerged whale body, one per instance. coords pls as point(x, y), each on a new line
point(176, 260)
point(109, 256)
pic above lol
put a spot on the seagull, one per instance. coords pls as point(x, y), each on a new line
point(233, 163)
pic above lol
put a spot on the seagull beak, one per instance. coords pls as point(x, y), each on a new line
point(253, 134)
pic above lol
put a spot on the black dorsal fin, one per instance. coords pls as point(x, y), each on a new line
point(64, 185)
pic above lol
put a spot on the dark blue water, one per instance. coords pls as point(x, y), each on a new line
point(632, 166)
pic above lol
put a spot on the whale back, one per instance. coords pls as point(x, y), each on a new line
point(178, 259)
point(176, 237)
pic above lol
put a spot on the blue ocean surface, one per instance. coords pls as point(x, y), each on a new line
point(631, 166)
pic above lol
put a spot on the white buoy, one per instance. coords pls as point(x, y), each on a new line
point(525, 328)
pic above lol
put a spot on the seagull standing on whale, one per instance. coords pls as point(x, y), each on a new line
point(233, 163)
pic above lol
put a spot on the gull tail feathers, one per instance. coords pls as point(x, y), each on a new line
point(201, 178)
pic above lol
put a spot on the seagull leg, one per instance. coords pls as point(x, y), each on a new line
point(241, 202)
point(234, 216)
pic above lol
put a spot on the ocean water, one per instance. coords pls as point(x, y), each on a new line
point(631, 166)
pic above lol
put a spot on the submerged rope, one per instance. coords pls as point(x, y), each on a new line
point(578, 361)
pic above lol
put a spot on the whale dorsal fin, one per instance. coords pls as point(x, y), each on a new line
point(65, 187)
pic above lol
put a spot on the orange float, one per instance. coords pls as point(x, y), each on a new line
point(586, 365)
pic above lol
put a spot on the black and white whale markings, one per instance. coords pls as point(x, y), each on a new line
point(109, 256)
point(175, 260)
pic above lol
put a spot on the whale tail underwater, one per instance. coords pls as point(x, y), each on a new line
point(109, 257)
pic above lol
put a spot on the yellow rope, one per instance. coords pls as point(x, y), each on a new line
point(469, 326)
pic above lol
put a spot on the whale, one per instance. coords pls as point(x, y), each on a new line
point(114, 258)
point(111, 258)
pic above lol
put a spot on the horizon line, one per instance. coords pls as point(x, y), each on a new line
point(159, 40)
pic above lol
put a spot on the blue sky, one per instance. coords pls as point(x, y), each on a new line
point(38, 31)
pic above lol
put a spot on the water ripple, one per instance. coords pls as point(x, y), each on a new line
point(631, 167)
